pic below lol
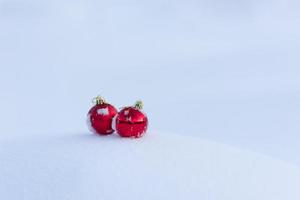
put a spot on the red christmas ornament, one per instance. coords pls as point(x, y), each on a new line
point(131, 121)
point(100, 117)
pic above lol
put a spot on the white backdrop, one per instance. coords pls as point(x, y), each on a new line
point(222, 70)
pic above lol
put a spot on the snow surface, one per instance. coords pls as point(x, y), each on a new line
point(157, 166)
point(232, 65)
point(225, 71)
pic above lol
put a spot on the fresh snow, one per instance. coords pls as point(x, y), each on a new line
point(157, 166)
point(210, 71)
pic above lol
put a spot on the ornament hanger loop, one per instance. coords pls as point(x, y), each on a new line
point(139, 105)
point(98, 100)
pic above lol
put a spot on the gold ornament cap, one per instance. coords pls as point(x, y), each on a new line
point(98, 100)
point(139, 105)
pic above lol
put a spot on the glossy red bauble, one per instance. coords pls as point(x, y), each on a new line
point(131, 122)
point(100, 117)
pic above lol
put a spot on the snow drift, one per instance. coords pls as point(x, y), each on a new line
point(157, 166)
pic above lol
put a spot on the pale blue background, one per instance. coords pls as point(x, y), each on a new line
point(222, 70)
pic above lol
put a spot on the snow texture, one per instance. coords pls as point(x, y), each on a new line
point(222, 71)
point(157, 166)
point(232, 65)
